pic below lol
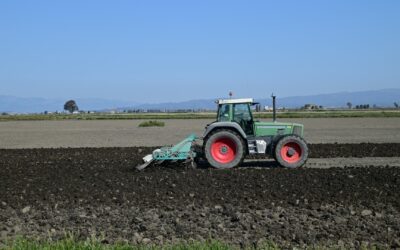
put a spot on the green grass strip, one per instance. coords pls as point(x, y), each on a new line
point(72, 244)
point(211, 115)
point(152, 124)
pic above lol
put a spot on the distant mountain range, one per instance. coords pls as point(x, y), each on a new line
point(38, 105)
point(381, 98)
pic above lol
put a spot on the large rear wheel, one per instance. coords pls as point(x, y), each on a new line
point(291, 151)
point(224, 149)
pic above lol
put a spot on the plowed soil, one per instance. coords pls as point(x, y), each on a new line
point(354, 150)
point(95, 191)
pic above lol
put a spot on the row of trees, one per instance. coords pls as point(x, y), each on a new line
point(362, 106)
point(366, 106)
point(71, 106)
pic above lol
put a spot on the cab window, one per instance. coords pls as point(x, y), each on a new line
point(242, 115)
point(242, 112)
point(223, 113)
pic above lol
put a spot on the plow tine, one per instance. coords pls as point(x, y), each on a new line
point(143, 166)
point(159, 162)
point(190, 162)
point(148, 159)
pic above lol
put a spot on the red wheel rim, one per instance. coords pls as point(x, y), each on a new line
point(291, 152)
point(223, 150)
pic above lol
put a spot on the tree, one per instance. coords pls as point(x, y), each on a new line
point(396, 105)
point(349, 104)
point(71, 106)
point(365, 106)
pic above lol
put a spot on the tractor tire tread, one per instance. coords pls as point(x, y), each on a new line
point(209, 157)
point(288, 138)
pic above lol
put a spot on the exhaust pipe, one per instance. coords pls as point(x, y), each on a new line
point(273, 108)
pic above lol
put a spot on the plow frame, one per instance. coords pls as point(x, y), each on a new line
point(181, 151)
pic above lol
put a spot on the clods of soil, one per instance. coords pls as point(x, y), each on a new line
point(96, 191)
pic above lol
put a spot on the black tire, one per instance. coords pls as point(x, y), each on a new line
point(291, 151)
point(224, 149)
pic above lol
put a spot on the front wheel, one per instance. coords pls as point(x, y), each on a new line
point(224, 149)
point(291, 151)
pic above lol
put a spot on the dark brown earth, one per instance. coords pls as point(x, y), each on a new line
point(331, 150)
point(95, 191)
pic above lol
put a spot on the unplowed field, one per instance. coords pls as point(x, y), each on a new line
point(126, 133)
point(96, 191)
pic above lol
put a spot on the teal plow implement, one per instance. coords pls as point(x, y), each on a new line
point(181, 151)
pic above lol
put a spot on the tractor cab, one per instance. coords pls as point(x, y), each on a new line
point(239, 111)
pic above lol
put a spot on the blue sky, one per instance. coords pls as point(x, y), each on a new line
point(156, 51)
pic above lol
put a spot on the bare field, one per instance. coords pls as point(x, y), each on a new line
point(345, 197)
point(96, 193)
point(126, 133)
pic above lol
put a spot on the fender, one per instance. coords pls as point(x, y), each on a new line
point(232, 125)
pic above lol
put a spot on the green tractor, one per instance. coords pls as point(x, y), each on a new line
point(235, 134)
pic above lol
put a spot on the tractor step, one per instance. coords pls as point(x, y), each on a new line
point(181, 151)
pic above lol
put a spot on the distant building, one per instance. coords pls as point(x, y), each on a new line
point(310, 106)
point(267, 108)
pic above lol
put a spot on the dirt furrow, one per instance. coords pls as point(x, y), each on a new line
point(96, 191)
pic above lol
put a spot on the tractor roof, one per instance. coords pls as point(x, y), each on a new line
point(241, 100)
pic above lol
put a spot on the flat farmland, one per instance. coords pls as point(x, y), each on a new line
point(96, 192)
point(126, 133)
point(79, 177)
